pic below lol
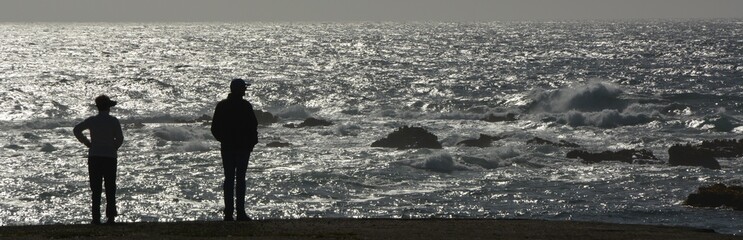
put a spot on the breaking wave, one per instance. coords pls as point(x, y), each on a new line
point(720, 122)
point(196, 146)
point(588, 98)
point(443, 163)
point(293, 112)
point(604, 119)
point(596, 104)
point(180, 134)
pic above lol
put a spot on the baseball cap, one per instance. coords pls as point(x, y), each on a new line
point(238, 83)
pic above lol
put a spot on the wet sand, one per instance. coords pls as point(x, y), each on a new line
point(361, 229)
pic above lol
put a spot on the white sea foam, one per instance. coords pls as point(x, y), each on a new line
point(505, 152)
point(293, 112)
point(454, 138)
point(493, 157)
point(397, 113)
point(180, 133)
point(442, 162)
point(482, 162)
point(720, 122)
point(459, 115)
point(597, 104)
point(604, 119)
point(196, 146)
point(595, 96)
point(170, 133)
point(346, 129)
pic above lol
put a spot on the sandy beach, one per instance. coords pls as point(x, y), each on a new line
point(361, 229)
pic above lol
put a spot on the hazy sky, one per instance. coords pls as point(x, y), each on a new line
point(360, 10)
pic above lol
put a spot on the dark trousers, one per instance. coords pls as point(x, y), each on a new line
point(102, 169)
point(235, 165)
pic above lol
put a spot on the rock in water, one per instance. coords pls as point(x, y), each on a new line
point(265, 118)
point(13, 146)
point(409, 137)
point(134, 125)
point(203, 118)
point(509, 117)
point(31, 136)
point(483, 141)
point(278, 144)
point(717, 195)
point(48, 147)
point(562, 143)
point(624, 155)
point(688, 155)
point(310, 122)
point(724, 148)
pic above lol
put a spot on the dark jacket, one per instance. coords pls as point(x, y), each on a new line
point(106, 136)
point(234, 124)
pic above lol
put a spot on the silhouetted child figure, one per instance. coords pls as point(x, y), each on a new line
point(234, 125)
point(106, 138)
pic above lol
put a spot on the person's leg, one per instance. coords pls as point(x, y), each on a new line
point(240, 188)
point(96, 179)
point(110, 183)
point(228, 186)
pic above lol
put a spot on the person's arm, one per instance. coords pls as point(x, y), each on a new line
point(217, 124)
point(253, 125)
point(118, 135)
point(78, 131)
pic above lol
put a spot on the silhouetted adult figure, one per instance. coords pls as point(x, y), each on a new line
point(234, 125)
point(105, 140)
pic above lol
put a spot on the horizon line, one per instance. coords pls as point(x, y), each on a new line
point(639, 19)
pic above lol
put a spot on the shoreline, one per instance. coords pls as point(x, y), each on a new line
point(346, 228)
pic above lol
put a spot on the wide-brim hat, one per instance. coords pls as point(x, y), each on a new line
point(104, 101)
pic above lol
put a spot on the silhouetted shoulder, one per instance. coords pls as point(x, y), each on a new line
point(84, 124)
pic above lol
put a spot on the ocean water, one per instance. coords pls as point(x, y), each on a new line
point(603, 85)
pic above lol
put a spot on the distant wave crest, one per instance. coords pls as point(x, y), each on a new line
point(596, 104)
point(294, 112)
point(180, 134)
point(595, 96)
point(604, 119)
point(443, 163)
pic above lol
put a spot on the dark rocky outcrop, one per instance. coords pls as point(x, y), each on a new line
point(562, 143)
point(278, 144)
point(483, 141)
point(688, 155)
point(31, 136)
point(48, 147)
point(724, 148)
point(717, 195)
point(705, 154)
point(508, 117)
point(265, 118)
point(310, 122)
point(409, 137)
point(204, 118)
point(13, 146)
point(624, 155)
point(134, 125)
